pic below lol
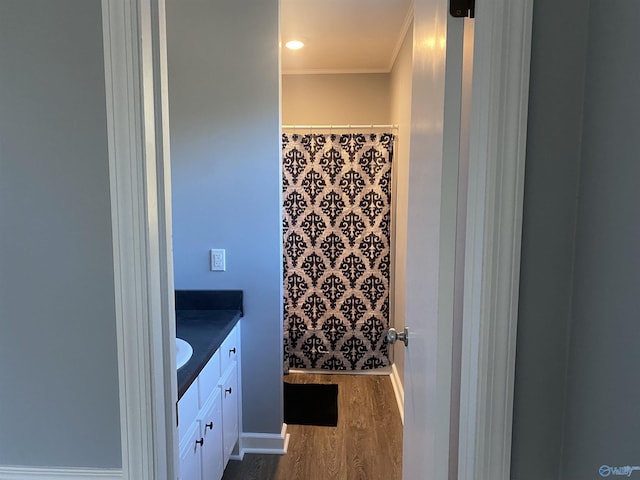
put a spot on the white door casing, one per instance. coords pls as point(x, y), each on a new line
point(137, 129)
point(499, 108)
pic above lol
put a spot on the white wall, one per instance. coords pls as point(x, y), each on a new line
point(225, 161)
point(59, 402)
point(356, 99)
point(401, 80)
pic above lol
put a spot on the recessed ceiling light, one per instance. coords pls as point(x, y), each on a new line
point(294, 44)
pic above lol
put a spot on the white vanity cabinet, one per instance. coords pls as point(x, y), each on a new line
point(208, 414)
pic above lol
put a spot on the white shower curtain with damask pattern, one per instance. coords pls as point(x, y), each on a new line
point(336, 222)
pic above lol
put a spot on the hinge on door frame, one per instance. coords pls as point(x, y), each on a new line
point(462, 8)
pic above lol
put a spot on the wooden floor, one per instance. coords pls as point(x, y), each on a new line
point(366, 444)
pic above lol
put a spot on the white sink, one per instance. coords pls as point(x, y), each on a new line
point(183, 352)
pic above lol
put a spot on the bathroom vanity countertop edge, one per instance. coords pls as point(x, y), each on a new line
point(205, 330)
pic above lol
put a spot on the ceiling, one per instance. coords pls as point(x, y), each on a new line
point(343, 36)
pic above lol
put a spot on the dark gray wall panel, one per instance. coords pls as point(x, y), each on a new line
point(551, 182)
point(59, 401)
point(603, 413)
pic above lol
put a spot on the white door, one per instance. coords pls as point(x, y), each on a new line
point(491, 136)
point(431, 238)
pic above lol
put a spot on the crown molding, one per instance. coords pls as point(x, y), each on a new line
point(408, 20)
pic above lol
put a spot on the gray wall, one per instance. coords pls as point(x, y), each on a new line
point(225, 161)
point(603, 396)
point(58, 358)
point(337, 99)
point(551, 182)
point(576, 403)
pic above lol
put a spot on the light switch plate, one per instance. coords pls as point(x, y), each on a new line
point(218, 261)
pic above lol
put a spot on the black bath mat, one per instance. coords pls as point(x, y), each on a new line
point(311, 404)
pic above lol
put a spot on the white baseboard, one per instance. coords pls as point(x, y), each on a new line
point(265, 443)
point(31, 473)
point(398, 389)
point(320, 371)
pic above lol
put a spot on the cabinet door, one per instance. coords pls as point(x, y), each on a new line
point(212, 454)
point(191, 454)
point(230, 399)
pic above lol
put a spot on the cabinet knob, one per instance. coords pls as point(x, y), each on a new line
point(209, 426)
point(227, 390)
point(232, 350)
point(200, 442)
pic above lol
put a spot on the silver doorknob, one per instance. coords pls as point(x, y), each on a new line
point(393, 336)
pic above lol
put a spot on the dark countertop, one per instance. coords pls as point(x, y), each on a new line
point(204, 326)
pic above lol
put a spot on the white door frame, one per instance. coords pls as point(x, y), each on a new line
point(137, 125)
point(135, 68)
point(500, 98)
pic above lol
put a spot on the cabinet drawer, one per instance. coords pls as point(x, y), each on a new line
point(229, 350)
point(208, 379)
point(187, 409)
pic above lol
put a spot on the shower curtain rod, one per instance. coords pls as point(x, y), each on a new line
point(329, 127)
